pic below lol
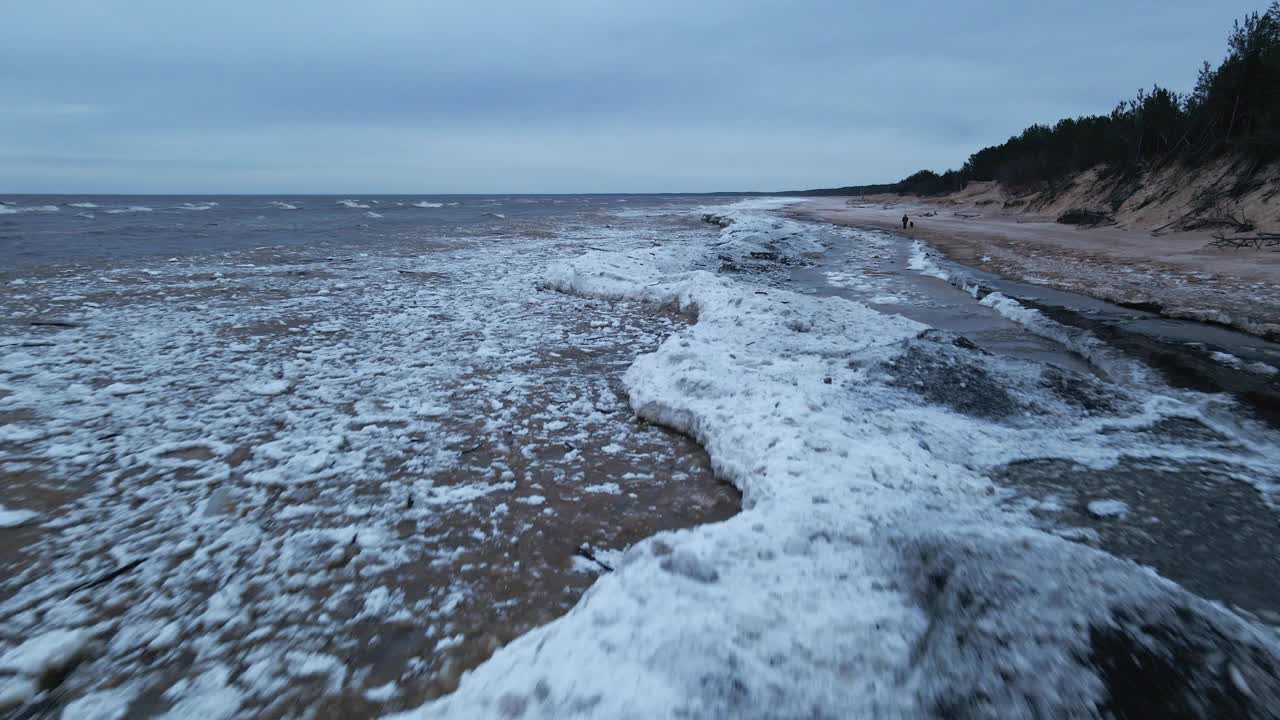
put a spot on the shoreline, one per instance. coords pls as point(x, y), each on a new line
point(1173, 275)
point(1184, 364)
point(866, 445)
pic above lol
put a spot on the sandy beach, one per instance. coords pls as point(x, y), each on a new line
point(1175, 273)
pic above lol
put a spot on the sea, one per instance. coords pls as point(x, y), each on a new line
point(53, 229)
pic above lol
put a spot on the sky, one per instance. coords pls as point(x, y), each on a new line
point(520, 96)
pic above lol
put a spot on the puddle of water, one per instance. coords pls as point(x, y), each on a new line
point(1193, 523)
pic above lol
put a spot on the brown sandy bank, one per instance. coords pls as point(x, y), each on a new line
point(1175, 273)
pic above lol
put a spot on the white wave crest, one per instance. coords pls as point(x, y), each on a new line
point(425, 204)
point(1115, 365)
point(130, 209)
point(372, 214)
point(353, 204)
point(922, 262)
point(283, 205)
point(84, 205)
point(11, 209)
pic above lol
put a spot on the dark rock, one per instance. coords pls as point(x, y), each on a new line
point(1038, 627)
point(946, 373)
point(1083, 391)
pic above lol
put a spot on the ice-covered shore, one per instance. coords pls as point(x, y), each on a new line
point(874, 570)
point(264, 482)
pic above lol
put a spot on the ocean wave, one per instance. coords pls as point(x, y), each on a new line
point(352, 204)
point(284, 205)
point(923, 263)
point(196, 206)
point(1116, 365)
point(130, 209)
point(12, 209)
point(372, 214)
point(496, 215)
point(84, 205)
point(425, 204)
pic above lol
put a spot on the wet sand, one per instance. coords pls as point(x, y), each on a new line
point(1174, 274)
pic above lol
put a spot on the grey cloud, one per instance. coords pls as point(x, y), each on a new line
point(574, 95)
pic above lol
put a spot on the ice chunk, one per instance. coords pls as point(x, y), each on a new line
point(14, 518)
point(1108, 508)
point(45, 653)
point(16, 690)
point(269, 387)
point(112, 704)
point(209, 697)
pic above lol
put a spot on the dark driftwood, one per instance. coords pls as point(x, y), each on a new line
point(1083, 216)
point(584, 551)
point(104, 579)
point(54, 323)
point(1258, 241)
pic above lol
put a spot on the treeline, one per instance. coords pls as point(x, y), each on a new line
point(1234, 110)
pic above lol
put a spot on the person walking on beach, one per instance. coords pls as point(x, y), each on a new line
point(904, 222)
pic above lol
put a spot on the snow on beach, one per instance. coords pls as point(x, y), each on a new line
point(874, 570)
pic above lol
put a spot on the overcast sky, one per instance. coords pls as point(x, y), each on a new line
point(422, 96)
